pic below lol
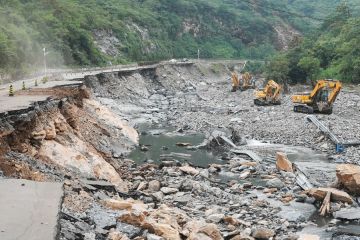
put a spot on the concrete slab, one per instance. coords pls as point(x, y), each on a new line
point(297, 211)
point(319, 174)
point(29, 210)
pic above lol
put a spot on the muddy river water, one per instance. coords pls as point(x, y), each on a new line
point(159, 144)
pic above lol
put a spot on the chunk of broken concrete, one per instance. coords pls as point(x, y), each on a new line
point(336, 195)
point(349, 176)
point(283, 163)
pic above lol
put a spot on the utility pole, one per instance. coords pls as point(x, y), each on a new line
point(198, 54)
point(45, 67)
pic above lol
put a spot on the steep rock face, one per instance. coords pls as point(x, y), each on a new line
point(107, 42)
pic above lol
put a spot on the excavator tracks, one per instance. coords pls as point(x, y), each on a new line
point(303, 109)
point(258, 102)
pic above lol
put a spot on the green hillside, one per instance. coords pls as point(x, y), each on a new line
point(97, 32)
point(332, 51)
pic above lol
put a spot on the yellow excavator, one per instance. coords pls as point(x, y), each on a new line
point(320, 100)
point(246, 82)
point(235, 82)
point(270, 95)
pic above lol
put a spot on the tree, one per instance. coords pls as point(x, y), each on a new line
point(278, 70)
point(311, 66)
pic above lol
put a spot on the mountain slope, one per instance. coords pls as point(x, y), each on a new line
point(97, 32)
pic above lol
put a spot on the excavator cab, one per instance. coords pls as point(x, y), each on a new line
point(320, 100)
point(270, 95)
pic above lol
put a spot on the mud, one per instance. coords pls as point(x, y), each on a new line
point(106, 132)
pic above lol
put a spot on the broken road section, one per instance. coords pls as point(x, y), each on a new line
point(29, 210)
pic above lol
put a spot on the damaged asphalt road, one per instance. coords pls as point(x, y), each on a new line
point(84, 138)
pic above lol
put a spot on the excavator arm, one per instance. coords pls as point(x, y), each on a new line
point(335, 92)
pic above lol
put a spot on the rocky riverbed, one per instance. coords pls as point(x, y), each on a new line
point(225, 185)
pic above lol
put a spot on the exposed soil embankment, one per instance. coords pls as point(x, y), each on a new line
point(70, 135)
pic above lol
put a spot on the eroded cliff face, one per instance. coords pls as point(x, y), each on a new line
point(70, 136)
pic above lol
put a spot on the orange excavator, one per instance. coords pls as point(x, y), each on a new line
point(321, 98)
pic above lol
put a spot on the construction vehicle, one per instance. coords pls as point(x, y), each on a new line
point(270, 95)
point(320, 100)
point(235, 82)
point(247, 81)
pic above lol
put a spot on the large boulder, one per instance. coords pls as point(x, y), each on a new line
point(283, 163)
point(349, 176)
point(164, 222)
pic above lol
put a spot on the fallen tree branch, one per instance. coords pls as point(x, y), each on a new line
point(325, 207)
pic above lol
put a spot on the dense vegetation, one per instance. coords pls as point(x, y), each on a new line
point(140, 30)
point(333, 51)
